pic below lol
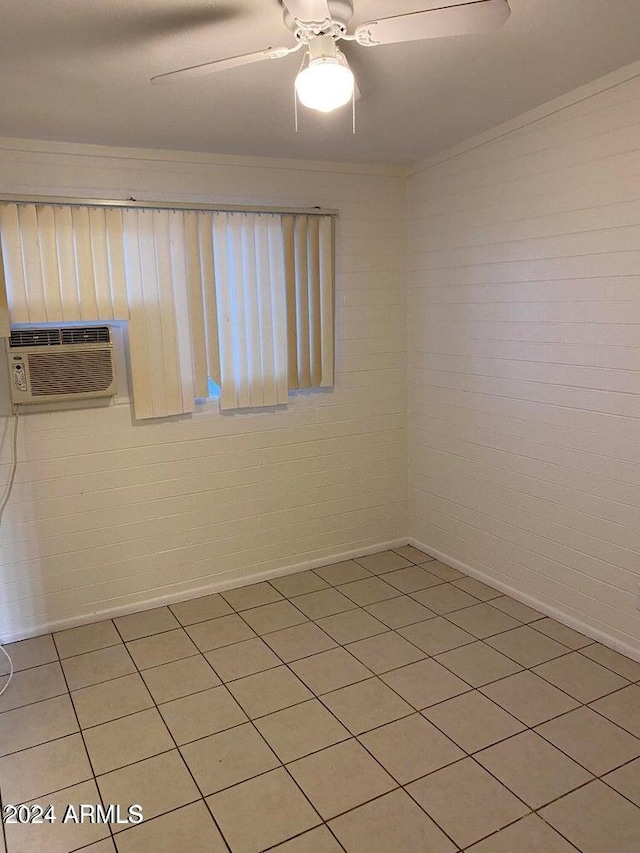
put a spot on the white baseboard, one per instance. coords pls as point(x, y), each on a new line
point(230, 581)
point(544, 606)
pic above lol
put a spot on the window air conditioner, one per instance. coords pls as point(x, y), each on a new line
point(55, 365)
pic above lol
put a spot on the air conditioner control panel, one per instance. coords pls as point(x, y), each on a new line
point(18, 373)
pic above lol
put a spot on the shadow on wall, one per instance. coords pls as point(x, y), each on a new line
point(8, 608)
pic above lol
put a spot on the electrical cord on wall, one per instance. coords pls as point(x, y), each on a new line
point(14, 465)
point(3, 504)
point(8, 657)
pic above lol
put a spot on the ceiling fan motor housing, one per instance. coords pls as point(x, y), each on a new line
point(322, 48)
point(341, 14)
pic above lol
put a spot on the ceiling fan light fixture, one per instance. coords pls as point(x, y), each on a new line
point(327, 82)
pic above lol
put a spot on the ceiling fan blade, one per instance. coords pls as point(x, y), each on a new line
point(309, 11)
point(353, 63)
point(478, 16)
point(223, 64)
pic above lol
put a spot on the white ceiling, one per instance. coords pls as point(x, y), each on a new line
point(79, 71)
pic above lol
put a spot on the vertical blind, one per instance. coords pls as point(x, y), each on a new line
point(248, 256)
point(166, 328)
point(5, 326)
point(244, 299)
point(63, 263)
point(308, 242)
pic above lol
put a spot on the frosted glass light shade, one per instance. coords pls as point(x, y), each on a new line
point(325, 84)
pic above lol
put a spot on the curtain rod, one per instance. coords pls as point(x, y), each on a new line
point(155, 205)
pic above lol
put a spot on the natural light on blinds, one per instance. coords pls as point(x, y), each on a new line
point(243, 299)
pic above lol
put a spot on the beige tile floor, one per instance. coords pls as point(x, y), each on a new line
point(381, 705)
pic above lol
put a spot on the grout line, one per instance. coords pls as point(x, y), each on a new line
point(179, 753)
point(81, 733)
point(356, 737)
point(35, 702)
point(382, 725)
point(597, 711)
point(573, 758)
point(28, 668)
point(343, 645)
point(532, 813)
point(87, 651)
point(605, 782)
point(306, 832)
point(282, 764)
point(459, 761)
point(596, 699)
point(351, 736)
point(3, 831)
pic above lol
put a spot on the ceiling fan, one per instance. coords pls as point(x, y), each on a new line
point(325, 81)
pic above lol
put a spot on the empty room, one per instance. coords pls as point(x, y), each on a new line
point(320, 426)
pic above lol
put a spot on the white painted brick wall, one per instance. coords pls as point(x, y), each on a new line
point(524, 358)
point(107, 514)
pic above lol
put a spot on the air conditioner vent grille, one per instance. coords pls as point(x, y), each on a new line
point(56, 337)
point(34, 337)
point(85, 335)
point(77, 372)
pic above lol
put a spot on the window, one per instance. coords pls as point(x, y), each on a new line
point(243, 300)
